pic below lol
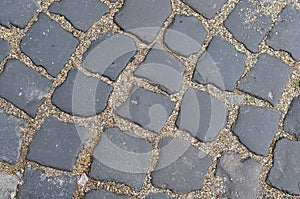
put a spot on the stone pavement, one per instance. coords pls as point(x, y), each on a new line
point(150, 99)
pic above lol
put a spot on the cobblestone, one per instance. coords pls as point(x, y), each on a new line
point(158, 196)
point(4, 48)
point(8, 185)
point(292, 120)
point(103, 194)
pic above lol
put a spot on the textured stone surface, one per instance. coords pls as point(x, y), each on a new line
point(8, 186)
point(292, 119)
point(23, 86)
point(256, 127)
point(158, 196)
point(81, 95)
point(56, 144)
point(248, 25)
point(90, 11)
point(185, 35)
point(220, 65)
point(48, 44)
point(285, 173)
point(268, 87)
point(241, 176)
point(4, 48)
point(95, 194)
point(202, 115)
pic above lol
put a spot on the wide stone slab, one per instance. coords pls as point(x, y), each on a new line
point(292, 119)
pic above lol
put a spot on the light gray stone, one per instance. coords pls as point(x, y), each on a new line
point(8, 186)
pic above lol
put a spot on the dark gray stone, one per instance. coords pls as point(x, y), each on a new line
point(48, 44)
point(256, 128)
point(98, 194)
point(181, 167)
point(292, 119)
point(56, 144)
point(285, 34)
point(143, 18)
point(163, 69)
point(8, 186)
point(81, 95)
point(202, 115)
point(158, 196)
point(220, 65)
point(148, 109)
point(109, 54)
point(10, 137)
point(267, 79)
point(248, 25)
point(4, 48)
point(185, 35)
point(90, 11)
point(285, 173)
point(240, 176)
point(37, 185)
point(23, 86)
point(17, 13)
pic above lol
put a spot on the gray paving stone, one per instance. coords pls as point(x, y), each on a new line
point(23, 86)
point(292, 119)
point(181, 167)
point(206, 8)
point(98, 194)
point(10, 137)
point(121, 157)
point(256, 127)
point(121, 50)
point(8, 186)
point(267, 79)
point(285, 34)
point(248, 25)
point(4, 48)
point(90, 12)
point(56, 144)
point(241, 176)
point(220, 65)
point(185, 35)
point(37, 185)
point(148, 109)
point(285, 173)
point(17, 13)
point(202, 115)
point(48, 44)
point(81, 95)
point(158, 196)
point(170, 75)
point(151, 15)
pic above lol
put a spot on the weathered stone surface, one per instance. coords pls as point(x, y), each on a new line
point(37, 185)
point(4, 48)
point(109, 54)
point(121, 157)
point(23, 86)
point(202, 115)
point(81, 95)
point(56, 144)
point(267, 79)
point(292, 119)
point(241, 176)
point(181, 167)
point(158, 196)
point(151, 15)
point(94, 194)
point(90, 12)
point(48, 44)
point(8, 186)
point(285, 173)
point(220, 65)
point(256, 128)
point(248, 25)
point(185, 35)
point(285, 34)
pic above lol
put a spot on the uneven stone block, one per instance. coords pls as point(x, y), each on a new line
point(292, 119)
point(104, 194)
point(158, 196)
point(8, 186)
point(4, 48)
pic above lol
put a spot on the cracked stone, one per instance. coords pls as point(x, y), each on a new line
point(81, 95)
point(268, 87)
point(158, 196)
point(202, 115)
point(181, 167)
point(256, 128)
point(292, 119)
point(151, 16)
point(36, 184)
point(240, 176)
point(170, 74)
point(220, 65)
point(93, 194)
point(122, 157)
point(23, 86)
point(56, 144)
point(285, 34)
point(48, 44)
point(121, 50)
point(8, 185)
point(148, 109)
point(4, 48)
point(185, 35)
point(248, 25)
point(284, 174)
